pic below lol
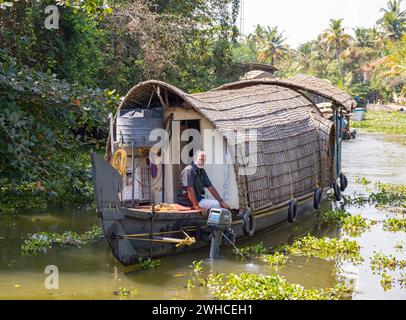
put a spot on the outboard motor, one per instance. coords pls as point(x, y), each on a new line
point(219, 223)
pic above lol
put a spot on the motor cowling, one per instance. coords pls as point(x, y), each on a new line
point(219, 223)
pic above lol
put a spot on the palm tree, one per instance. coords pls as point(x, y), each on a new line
point(394, 66)
point(378, 40)
point(393, 21)
point(304, 55)
point(363, 37)
point(270, 43)
point(336, 40)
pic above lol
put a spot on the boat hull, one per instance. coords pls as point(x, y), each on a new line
point(121, 224)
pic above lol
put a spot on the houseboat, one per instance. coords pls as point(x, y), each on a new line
point(277, 157)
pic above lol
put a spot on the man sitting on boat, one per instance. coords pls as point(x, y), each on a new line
point(193, 181)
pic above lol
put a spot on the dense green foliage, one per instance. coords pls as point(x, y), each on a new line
point(47, 127)
point(52, 110)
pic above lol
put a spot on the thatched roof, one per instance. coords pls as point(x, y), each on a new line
point(256, 74)
point(303, 83)
point(294, 140)
point(251, 66)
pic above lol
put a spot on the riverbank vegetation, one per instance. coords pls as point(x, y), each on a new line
point(367, 62)
point(383, 122)
point(58, 86)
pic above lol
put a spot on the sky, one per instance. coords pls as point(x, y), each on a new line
point(304, 20)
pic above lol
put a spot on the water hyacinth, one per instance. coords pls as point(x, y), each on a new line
point(383, 122)
point(362, 181)
point(252, 251)
point(380, 263)
point(325, 248)
point(387, 281)
point(246, 286)
point(333, 216)
point(394, 225)
point(276, 260)
point(385, 194)
point(42, 242)
point(148, 263)
point(126, 292)
point(355, 225)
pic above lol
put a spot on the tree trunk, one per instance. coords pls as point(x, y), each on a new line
point(340, 68)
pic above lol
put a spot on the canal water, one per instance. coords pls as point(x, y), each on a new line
point(91, 272)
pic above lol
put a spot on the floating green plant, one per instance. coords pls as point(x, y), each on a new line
point(387, 281)
point(362, 181)
point(247, 286)
point(276, 259)
point(380, 263)
point(42, 242)
point(126, 292)
point(253, 250)
point(196, 275)
point(394, 225)
point(386, 194)
point(357, 199)
point(383, 122)
point(148, 263)
point(399, 246)
point(325, 248)
point(354, 225)
point(333, 216)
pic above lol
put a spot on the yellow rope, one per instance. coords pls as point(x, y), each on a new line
point(180, 243)
point(120, 161)
point(188, 241)
point(160, 233)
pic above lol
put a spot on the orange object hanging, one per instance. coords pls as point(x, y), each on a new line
point(120, 161)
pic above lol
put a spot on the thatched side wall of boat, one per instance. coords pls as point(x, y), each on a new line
point(295, 142)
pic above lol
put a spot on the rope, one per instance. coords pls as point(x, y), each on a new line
point(180, 243)
point(188, 241)
point(160, 233)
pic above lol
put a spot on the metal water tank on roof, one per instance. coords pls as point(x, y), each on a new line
point(135, 126)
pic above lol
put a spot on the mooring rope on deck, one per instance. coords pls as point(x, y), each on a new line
point(163, 232)
point(188, 241)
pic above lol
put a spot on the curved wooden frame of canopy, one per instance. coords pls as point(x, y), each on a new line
point(289, 85)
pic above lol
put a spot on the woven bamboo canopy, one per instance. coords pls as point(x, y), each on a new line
point(294, 142)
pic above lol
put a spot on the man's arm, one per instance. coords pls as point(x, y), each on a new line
point(192, 197)
point(216, 195)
